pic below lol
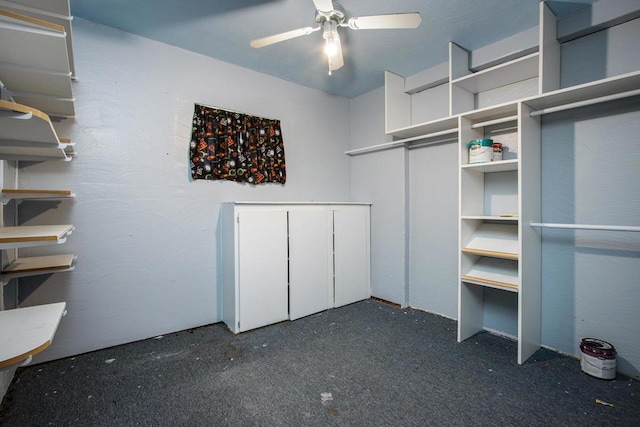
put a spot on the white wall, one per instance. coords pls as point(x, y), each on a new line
point(433, 235)
point(145, 234)
point(379, 178)
point(591, 175)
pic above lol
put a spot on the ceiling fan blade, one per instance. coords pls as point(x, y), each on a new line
point(337, 60)
point(378, 22)
point(266, 41)
point(324, 6)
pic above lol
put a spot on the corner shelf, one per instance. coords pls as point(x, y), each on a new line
point(25, 332)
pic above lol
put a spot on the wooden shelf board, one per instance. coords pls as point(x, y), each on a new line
point(508, 218)
point(40, 263)
point(34, 234)
point(25, 332)
point(26, 194)
point(490, 283)
point(494, 271)
point(493, 254)
point(494, 239)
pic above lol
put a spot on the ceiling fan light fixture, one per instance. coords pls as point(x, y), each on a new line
point(330, 34)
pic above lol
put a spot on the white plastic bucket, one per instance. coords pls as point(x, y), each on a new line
point(480, 150)
point(598, 358)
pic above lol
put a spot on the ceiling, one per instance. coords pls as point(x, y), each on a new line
point(222, 29)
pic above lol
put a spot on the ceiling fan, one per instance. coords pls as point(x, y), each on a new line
point(330, 16)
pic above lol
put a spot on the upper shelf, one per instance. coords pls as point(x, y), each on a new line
point(33, 235)
point(36, 67)
point(520, 69)
point(25, 332)
point(28, 134)
point(25, 194)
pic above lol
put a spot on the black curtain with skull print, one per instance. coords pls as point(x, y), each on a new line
point(236, 147)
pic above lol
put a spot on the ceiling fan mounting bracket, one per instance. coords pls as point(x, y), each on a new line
point(337, 15)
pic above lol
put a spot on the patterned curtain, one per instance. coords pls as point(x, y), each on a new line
point(236, 147)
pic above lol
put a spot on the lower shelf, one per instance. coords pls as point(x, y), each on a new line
point(25, 332)
point(31, 266)
point(494, 273)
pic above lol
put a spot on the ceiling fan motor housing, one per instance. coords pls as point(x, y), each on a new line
point(336, 15)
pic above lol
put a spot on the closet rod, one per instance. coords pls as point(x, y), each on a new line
point(592, 101)
point(399, 142)
point(494, 122)
point(586, 226)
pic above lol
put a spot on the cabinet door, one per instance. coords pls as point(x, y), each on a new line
point(351, 254)
point(262, 267)
point(310, 262)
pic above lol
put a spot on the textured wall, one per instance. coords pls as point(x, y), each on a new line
point(379, 178)
point(145, 234)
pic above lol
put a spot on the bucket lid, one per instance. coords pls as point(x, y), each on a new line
point(597, 348)
point(482, 142)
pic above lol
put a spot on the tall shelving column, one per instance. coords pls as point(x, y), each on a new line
point(529, 195)
point(498, 200)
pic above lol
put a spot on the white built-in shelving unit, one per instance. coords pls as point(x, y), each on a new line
point(498, 201)
point(36, 70)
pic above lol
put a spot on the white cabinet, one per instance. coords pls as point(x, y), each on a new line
point(310, 261)
point(254, 251)
point(351, 245)
point(289, 260)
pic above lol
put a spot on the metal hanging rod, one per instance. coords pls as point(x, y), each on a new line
point(585, 103)
point(494, 122)
point(586, 226)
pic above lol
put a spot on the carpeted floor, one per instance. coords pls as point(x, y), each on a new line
point(367, 364)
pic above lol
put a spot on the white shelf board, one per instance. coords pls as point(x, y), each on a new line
point(31, 266)
point(494, 272)
point(493, 112)
point(434, 126)
point(584, 92)
point(498, 166)
point(514, 71)
point(25, 332)
point(33, 235)
point(494, 240)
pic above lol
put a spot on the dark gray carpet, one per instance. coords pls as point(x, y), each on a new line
point(367, 364)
